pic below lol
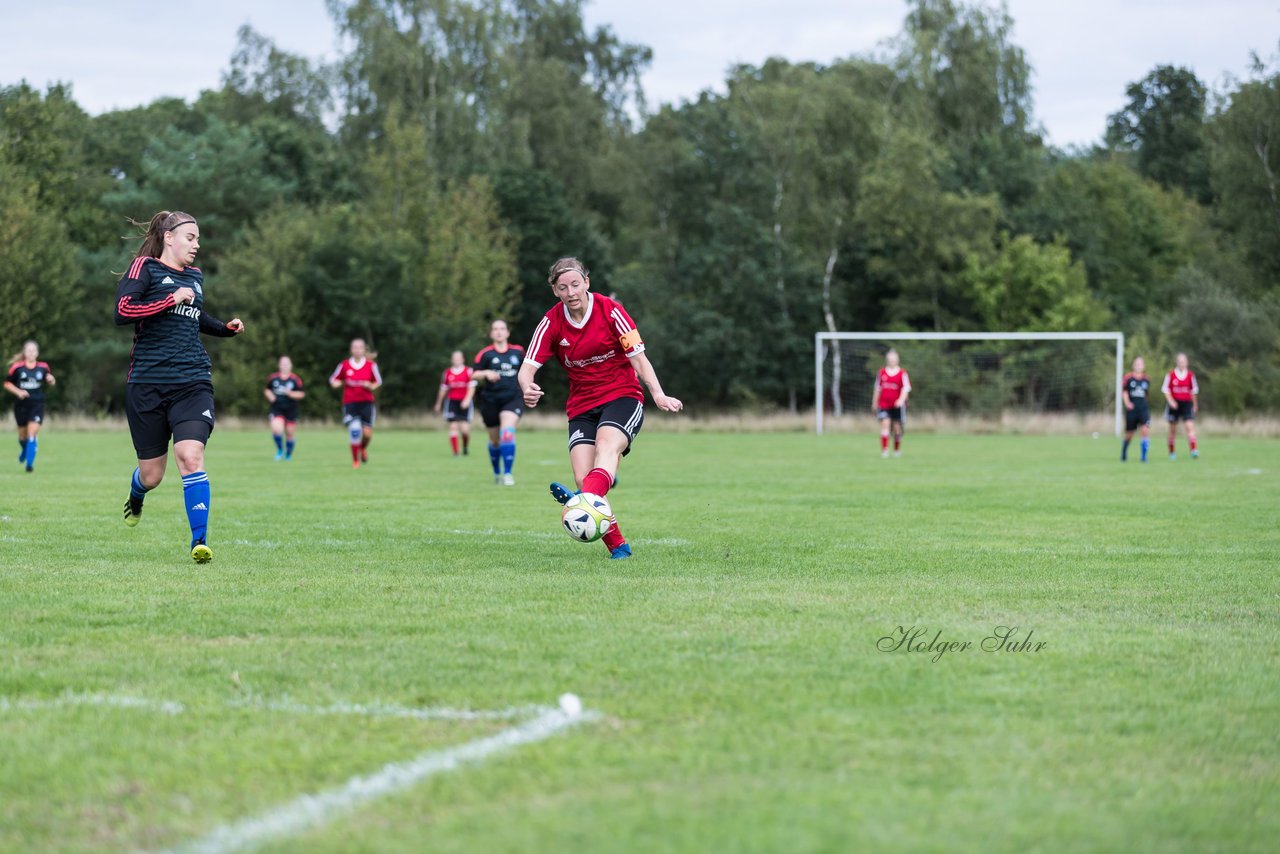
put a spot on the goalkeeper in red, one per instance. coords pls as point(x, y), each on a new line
point(892, 389)
point(603, 354)
point(1181, 393)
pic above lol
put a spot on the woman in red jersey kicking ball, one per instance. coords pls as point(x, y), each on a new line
point(601, 350)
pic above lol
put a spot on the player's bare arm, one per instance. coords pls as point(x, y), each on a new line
point(1128, 404)
point(529, 390)
point(14, 390)
point(644, 369)
point(269, 394)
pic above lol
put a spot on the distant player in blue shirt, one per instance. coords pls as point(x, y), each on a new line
point(499, 399)
point(170, 384)
point(283, 391)
point(25, 380)
point(1135, 389)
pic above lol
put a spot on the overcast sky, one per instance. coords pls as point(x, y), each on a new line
point(122, 53)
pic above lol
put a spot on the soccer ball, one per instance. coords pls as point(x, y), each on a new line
point(587, 517)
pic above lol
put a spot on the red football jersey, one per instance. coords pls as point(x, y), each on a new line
point(596, 353)
point(889, 387)
point(457, 382)
point(1180, 387)
point(350, 373)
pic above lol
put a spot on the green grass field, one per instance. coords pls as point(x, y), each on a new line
point(745, 704)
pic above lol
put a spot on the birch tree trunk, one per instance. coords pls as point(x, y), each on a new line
point(837, 402)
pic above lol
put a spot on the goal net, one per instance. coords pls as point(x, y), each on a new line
point(976, 377)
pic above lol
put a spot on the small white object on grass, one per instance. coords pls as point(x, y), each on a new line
point(570, 705)
point(1096, 435)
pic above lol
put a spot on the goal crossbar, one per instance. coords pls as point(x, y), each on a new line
point(821, 340)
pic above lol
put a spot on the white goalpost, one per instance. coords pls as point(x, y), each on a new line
point(1023, 371)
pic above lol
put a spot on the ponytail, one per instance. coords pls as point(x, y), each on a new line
point(153, 231)
point(21, 355)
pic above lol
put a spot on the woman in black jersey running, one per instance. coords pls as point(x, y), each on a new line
point(170, 389)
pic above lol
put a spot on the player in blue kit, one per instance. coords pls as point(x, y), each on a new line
point(25, 380)
point(283, 391)
point(499, 399)
point(169, 394)
point(1135, 389)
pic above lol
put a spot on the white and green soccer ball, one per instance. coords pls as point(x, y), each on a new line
point(587, 517)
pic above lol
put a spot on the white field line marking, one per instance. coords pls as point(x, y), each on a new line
point(115, 701)
point(309, 811)
point(369, 710)
point(391, 710)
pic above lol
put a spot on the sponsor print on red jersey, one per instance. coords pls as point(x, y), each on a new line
point(457, 382)
point(352, 375)
point(889, 387)
point(1180, 387)
point(596, 353)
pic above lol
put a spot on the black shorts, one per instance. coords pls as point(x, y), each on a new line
point(159, 412)
point(28, 410)
point(455, 411)
point(625, 413)
point(288, 413)
point(1137, 417)
point(896, 413)
point(365, 412)
point(491, 410)
point(1185, 411)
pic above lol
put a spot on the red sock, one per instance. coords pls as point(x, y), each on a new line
point(1173, 443)
point(614, 538)
point(884, 443)
point(355, 453)
point(466, 441)
point(897, 442)
point(364, 442)
point(597, 482)
point(453, 443)
point(1192, 443)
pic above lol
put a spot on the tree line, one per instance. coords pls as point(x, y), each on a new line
point(422, 183)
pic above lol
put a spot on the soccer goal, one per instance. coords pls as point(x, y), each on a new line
point(985, 376)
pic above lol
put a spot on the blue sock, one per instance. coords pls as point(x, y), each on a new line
point(288, 447)
point(1124, 450)
point(279, 441)
point(508, 449)
point(22, 455)
point(195, 494)
point(1146, 443)
point(136, 489)
point(495, 457)
point(32, 446)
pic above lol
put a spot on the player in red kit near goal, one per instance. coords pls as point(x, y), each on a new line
point(1181, 393)
point(893, 387)
point(358, 377)
point(598, 344)
point(457, 388)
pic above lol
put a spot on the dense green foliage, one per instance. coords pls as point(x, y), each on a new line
point(746, 705)
point(423, 182)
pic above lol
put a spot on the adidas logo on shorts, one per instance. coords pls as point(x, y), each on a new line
point(207, 414)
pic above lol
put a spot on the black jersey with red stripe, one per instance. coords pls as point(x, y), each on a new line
point(31, 380)
point(507, 364)
point(166, 336)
